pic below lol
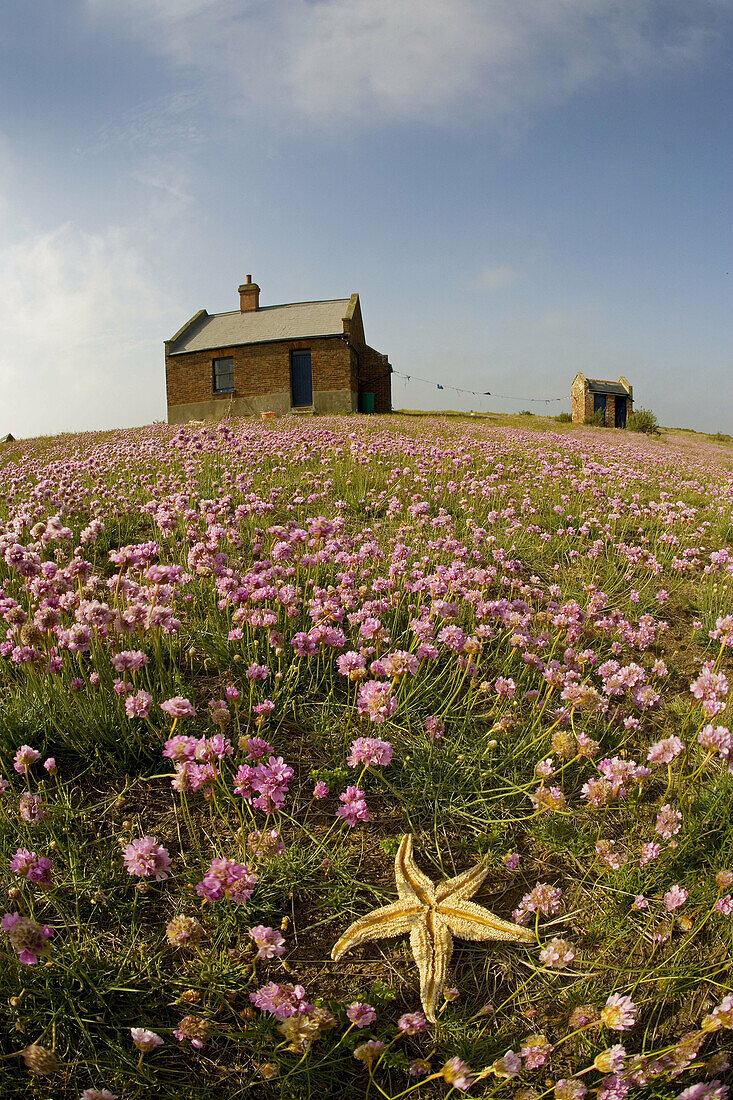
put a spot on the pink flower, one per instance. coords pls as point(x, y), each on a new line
point(145, 857)
point(35, 869)
point(269, 942)
point(556, 954)
point(619, 1012)
point(225, 878)
point(511, 861)
point(535, 1051)
point(354, 807)
point(369, 751)
point(178, 707)
point(675, 897)
point(361, 1015)
point(29, 940)
point(145, 1040)
point(669, 822)
point(30, 809)
point(138, 705)
point(98, 1094)
point(376, 700)
point(281, 1001)
point(320, 790)
point(24, 757)
point(724, 905)
point(663, 752)
point(456, 1073)
point(412, 1022)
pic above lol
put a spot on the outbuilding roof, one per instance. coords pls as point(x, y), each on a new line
point(597, 385)
point(295, 321)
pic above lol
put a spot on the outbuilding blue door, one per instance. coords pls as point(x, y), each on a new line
point(301, 379)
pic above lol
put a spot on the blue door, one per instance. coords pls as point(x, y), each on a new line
point(620, 412)
point(301, 380)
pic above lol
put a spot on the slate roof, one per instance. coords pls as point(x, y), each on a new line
point(295, 321)
point(596, 385)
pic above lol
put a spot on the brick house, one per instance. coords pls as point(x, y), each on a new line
point(305, 357)
point(590, 395)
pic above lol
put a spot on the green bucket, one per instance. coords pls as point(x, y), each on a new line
point(366, 402)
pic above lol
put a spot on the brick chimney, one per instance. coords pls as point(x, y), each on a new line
point(249, 296)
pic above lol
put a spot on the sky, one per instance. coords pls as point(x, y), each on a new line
point(517, 189)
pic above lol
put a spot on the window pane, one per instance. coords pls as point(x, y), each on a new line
point(224, 374)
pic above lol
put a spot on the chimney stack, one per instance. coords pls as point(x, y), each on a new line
point(249, 296)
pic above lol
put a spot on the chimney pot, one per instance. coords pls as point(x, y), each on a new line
point(249, 296)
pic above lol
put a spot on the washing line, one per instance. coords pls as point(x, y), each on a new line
point(475, 393)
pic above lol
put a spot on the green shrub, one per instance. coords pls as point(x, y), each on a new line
point(598, 419)
point(643, 420)
point(526, 412)
point(564, 418)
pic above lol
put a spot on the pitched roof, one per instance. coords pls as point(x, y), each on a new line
point(597, 385)
point(296, 321)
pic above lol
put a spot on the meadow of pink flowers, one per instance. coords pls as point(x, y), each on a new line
point(238, 662)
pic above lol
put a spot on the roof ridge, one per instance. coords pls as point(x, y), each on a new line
point(282, 305)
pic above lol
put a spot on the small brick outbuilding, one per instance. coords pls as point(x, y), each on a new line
point(304, 357)
point(590, 395)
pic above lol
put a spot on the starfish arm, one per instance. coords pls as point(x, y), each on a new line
point(390, 920)
point(462, 886)
point(412, 884)
point(469, 921)
point(432, 947)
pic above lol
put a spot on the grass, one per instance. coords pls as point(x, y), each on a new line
point(554, 550)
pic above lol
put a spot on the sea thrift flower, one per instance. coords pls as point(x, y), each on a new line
point(375, 699)
point(570, 1088)
point(281, 1001)
point(619, 1013)
point(29, 940)
point(557, 954)
point(145, 857)
point(195, 1029)
point(320, 790)
point(669, 822)
point(361, 1015)
point(649, 852)
point(24, 757)
point(434, 728)
point(30, 809)
point(269, 942)
point(354, 807)
point(582, 1015)
point(614, 1088)
point(721, 1016)
point(369, 751)
point(368, 1052)
point(511, 861)
point(724, 905)
point(225, 878)
point(138, 705)
point(663, 752)
point(675, 897)
point(145, 1040)
point(640, 902)
point(178, 707)
point(412, 1022)
point(98, 1094)
point(508, 1065)
point(50, 765)
point(611, 1060)
point(35, 869)
point(535, 1051)
point(184, 931)
point(456, 1073)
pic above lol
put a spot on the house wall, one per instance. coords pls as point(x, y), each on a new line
point(261, 380)
point(374, 377)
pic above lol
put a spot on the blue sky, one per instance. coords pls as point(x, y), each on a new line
point(517, 190)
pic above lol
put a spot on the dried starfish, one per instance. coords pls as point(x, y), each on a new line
point(432, 914)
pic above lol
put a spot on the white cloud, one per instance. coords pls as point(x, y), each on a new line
point(496, 277)
point(338, 63)
point(81, 322)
